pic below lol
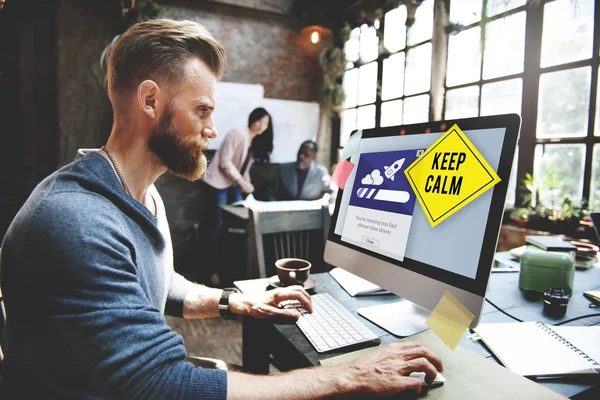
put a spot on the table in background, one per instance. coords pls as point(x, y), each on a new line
point(290, 349)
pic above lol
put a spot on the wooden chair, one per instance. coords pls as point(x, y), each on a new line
point(288, 233)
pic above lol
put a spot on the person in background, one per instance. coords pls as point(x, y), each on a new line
point(87, 263)
point(262, 145)
point(228, 176)
point(303, 179)
point(229, 171)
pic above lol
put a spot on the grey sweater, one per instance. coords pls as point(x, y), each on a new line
point(86, 273)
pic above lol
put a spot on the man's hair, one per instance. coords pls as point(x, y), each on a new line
point(158, 49)
point(311, 145)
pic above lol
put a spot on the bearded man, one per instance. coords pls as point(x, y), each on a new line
point(87, 263)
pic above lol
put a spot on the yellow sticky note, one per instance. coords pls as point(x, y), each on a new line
point(449, 175)
point(449, 320)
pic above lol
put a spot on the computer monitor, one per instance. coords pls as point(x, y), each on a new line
point(456, 255)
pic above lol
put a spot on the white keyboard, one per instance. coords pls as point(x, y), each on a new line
point(330, 326)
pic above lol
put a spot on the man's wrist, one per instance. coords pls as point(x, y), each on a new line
point(344, 379)
point(238, 304)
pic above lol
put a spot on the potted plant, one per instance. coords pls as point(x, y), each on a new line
point(555, 215)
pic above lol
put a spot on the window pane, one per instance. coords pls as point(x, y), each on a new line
point(568, 31)
point(391, 113)
point(563, 103)
point(596, 127)
point(351, 47)
point(418, 70)
point(559, 169)
point(416, 109)
point(347, 125)
point(351, 87)
point(366, 117)
point(394, 37)
point(504, 46)
point(422, 29)
point(369, 43)
point(511, 192)
point(393, 77)
point(502, 97)
point(495, 7)
point(465, 12)
point(464, 57)
point(462, 103)
point(367, 83)
point(595, 187)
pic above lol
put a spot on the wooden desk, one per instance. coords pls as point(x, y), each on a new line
point(290, 349)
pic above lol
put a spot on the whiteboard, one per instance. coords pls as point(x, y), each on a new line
point(293, 123)
point(234, 103)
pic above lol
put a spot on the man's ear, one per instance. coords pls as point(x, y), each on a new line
point(147, 97)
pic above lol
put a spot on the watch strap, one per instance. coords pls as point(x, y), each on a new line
point(224, 309)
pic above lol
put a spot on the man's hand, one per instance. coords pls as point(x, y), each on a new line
point(379, 374)
point(265, 305)
point(245, 186)
point(385, 371)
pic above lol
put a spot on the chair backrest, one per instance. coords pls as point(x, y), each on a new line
point(287, 233)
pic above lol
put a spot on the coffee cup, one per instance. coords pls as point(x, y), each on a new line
point(292, 271)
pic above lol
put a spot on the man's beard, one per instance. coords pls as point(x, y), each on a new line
point(183, 157)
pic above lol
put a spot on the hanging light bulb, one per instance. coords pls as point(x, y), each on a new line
point(315, 33)
point(314, 37)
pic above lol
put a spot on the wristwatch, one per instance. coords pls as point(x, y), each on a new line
point(224, 310)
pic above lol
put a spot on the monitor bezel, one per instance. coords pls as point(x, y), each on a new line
point(512, 123)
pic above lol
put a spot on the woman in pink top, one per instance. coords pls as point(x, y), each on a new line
point(228, 174)
point(229, 171)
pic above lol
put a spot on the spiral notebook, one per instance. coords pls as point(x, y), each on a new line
point(539, 350)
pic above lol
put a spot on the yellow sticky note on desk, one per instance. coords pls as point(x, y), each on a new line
point(449, 320)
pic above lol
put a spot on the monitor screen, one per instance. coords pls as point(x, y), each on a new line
point(379, 216)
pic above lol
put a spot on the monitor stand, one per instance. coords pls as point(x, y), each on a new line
point(402, 318)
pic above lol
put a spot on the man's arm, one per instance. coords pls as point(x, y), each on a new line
point(203, 302)
point(381, 373)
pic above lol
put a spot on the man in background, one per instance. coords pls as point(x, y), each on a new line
point(303, 179)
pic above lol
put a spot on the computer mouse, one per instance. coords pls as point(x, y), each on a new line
point(438, 381)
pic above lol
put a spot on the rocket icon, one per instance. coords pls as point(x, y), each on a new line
point(392, 169)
